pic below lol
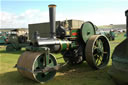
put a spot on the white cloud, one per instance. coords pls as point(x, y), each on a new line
point(98, 17)
point(9, 20)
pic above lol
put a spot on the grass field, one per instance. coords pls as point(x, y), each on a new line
point(75, 75)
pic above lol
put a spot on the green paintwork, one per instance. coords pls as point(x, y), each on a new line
point(64, 47)
point(74, 45)
point(87, 30)
point(10, 48)
point(15, 46)
point(110, 35)
point(2, 39)
point(40, 64)
point(47, 51)
point(75, 31)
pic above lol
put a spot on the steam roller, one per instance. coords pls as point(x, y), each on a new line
point(74, 39)
point(119, 68)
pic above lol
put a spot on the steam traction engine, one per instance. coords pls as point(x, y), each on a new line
point(75, 44)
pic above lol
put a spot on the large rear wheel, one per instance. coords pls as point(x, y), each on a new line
point(97, 51)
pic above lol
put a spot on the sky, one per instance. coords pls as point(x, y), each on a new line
point(20, 13)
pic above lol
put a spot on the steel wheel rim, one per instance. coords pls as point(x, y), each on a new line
point(97, 51)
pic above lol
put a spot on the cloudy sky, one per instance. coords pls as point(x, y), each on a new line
point(20, 13)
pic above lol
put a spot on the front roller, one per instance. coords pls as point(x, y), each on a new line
point(97, 51)
point(37, 66)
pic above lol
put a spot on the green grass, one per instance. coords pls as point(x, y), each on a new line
point(76, 75)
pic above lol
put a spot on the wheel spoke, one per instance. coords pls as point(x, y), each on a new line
point(97, 43)
point(98, 47)
point(100, 44)
point(95, 55)
point(99, 60)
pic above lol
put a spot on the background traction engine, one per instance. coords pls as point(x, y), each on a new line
point(16, 42)
point(76, 46)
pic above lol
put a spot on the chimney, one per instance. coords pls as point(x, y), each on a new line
point(52, 17)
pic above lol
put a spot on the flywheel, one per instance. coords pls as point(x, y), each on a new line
point(97, 51)
point(87, 30)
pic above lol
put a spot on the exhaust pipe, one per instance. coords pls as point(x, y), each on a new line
point(126, 14)
point(52, 15)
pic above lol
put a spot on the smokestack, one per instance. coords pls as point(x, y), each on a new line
point(126, 14)
point(52, 15)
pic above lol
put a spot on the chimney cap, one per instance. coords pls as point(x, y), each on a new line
point(51, 5)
